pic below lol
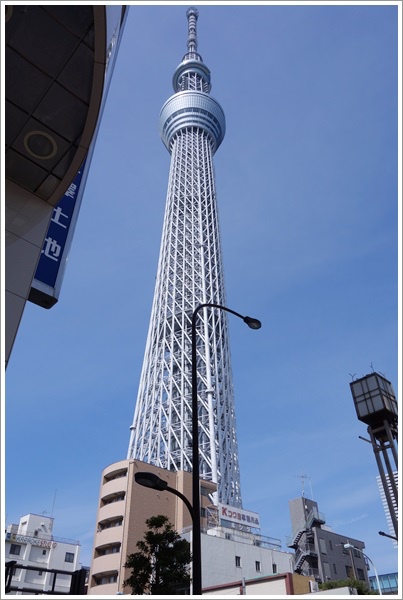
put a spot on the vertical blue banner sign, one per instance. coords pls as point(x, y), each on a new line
point(49, 273)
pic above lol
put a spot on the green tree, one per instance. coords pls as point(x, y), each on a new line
point(162, 564)
point(360, 586)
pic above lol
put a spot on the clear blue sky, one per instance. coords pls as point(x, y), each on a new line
point(307, 190)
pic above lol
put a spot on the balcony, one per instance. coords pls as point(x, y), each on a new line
point(109, 511)
point(106, 563)
point(315, 518)
point(114, 486)
point(111, 535)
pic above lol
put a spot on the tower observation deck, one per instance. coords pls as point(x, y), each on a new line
point(190, 273)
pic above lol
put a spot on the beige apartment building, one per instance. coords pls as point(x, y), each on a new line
point(123, 508)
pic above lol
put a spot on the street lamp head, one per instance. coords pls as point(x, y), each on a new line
point(347, 546)
point(252, 323)
point(150, 480)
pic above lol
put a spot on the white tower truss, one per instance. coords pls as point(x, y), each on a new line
point(190, 273)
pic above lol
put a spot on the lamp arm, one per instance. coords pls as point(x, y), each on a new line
point(213, 305)
point(183, 498)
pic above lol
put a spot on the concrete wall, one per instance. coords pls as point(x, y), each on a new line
point(285, 584)
point(219, 562)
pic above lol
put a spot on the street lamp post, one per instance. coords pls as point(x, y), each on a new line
point(351, 547)
point(151, 480)
point(196, 533)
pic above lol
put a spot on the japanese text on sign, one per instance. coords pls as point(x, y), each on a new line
point(238, 515)
point(56, 238)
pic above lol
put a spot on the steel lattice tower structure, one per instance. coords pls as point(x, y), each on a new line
point(190, 273)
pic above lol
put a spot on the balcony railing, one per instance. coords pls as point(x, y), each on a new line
point(245, 537)
point(38, 540)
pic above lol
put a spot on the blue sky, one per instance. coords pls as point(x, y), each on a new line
point(307, 190)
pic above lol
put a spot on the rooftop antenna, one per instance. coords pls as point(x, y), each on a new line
point(303, 477)
point(352, 376)
point(53, 505)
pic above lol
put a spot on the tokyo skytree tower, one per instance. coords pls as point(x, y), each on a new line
point(190, 273)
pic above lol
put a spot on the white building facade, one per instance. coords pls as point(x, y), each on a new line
point(35, 551)
point(233, 555)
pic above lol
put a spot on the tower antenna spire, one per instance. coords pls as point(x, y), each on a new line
point(192, 15)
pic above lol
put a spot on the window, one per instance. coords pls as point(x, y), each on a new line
point(69, 557)
point(110, 499)
point(109, 550)
point(257, 565)
point(115, 475)
point(108, 524)
point(349, 572)
point(237, 561)
point(44, 552)
point(334, 569)
point(107, 579)
point(360, 574)
point(322, 545)
point(15, 549)
point(330, 544)
point(274, 568)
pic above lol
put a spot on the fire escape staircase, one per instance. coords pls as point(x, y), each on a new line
point(304, 552)
point(296, 539)
point(299, 559)
point(314, 518)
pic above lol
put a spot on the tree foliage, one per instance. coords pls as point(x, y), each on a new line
point(360, 586)
point(162, 564)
